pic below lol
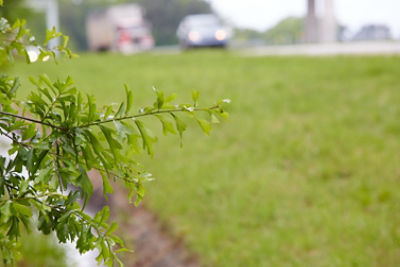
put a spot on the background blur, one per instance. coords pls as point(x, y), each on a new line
point(254, 22)
point(305, 173)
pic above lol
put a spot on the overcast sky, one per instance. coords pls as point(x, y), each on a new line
point(262, 14)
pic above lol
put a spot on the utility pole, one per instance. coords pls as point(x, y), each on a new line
point(311, 31)
point(328, 23)
point(52, 16)
point(52, 20)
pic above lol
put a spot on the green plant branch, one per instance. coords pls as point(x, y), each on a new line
point(115, 175)
point(143, 115)
point(57, 156)
point(13, 139)
point(109, 120)
point(59, 208)
point(31, 120)
point(43, 195)
point(51, 107)
point(52, 146)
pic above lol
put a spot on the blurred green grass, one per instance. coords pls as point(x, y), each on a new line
point(38, 250)
point(306, 173)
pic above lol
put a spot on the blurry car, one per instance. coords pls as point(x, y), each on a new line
point(120, 28)
point(202, 30)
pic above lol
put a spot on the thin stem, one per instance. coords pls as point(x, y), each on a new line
point(13, 139)
point(51, 107)
point(115, 175)
point(31, 120)
point(44, 195)
point(143, 115)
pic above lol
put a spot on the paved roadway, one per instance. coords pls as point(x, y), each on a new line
point(353, 48)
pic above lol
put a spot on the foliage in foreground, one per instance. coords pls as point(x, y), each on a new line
point(57, 135)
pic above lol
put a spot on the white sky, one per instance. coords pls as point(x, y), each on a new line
point(262, 14)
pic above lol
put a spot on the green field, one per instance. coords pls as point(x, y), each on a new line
point(305, 173)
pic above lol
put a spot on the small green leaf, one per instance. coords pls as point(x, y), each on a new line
point(46, 92)
point(97, 148)
point(107, 188)
point(15, 86)
point(112, 142)
point(120, 264)
point(85, 184)
point(14, 232)
point(214, 119)
point(92, 108)
point(170, 98)
point(180, 127)
point(65, 42)
point(44, 78)
point(51, 34)
point(147, 138)
point(29, 132)
point(38, 161)
point(124, 250)
point(22, 209)
point(121, 110)
point(27, 58)
point(103, 215)
point(129, 99)
point(104, 250)
point(224, 115)
point(140, 192)
point(160, 98)
point(167, 125)
point(195, 96)
point(33, 81)
point(5, 211)
point(205, 126)
point(113, 227)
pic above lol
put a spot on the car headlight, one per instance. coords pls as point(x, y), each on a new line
point(220, 35)
point(194, 36)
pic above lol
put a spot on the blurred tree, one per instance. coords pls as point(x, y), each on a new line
point(287, 31)
point(247, 36)
point(72, 20)
point(13, 9)
point(37, 24)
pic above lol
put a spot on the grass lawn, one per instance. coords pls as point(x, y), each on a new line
point(306, 173)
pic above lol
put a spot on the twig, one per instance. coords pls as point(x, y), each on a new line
point(143, 115)
point(31, 120)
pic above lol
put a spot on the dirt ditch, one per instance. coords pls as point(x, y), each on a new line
point(153, 243)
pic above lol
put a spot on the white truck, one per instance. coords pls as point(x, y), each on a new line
point(120, 28)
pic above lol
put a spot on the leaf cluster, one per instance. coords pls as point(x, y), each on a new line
point(16, 39)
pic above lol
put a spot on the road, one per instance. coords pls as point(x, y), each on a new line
point(353, 48)
point(356, 48)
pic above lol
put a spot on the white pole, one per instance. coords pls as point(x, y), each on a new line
point(52, 21)
point(311, 26)
point(329, 27)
